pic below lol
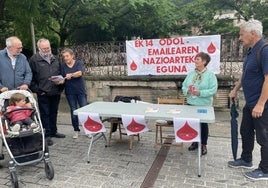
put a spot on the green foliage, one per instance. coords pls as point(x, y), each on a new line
point(69, 22)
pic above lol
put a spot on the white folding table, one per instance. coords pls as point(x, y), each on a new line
point(151, 112)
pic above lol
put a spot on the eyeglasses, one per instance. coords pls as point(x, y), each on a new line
point(18, 48)
point(45, 49)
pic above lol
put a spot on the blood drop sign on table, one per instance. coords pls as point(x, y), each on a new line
point(171, 56)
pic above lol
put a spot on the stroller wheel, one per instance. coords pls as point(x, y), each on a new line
point(49, 170)
point(14, 179)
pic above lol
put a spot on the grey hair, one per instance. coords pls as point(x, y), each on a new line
point(67, 50)
point(41, 40)
point(10, 41)
point(253, 25)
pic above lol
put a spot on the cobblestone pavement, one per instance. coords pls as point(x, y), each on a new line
point(119, 167)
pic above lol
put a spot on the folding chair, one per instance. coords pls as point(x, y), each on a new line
point(116, 123)
point(164, 129)
point(134, 125)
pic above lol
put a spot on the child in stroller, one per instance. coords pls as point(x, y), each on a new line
point(22, 116)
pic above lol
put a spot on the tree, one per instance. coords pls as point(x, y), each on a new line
point(128, 18)
point(245, 10)
point(68, 22)
point(198, 18)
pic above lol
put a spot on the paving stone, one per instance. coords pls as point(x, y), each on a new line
point(118, 167)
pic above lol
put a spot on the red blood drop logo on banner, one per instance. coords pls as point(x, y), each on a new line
point(92, 125)
point(211, 48)
point(135, 127)
point(133, 66)
point(187, 132)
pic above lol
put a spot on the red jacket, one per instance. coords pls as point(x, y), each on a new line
point(19, 114)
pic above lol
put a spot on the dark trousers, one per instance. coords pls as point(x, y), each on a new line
point(74, 101)
point(249, 126)
point(48, 106)
point(204, 133)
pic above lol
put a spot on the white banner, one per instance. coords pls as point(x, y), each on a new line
point(171, 56)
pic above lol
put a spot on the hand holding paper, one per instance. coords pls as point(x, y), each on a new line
point(57, 78)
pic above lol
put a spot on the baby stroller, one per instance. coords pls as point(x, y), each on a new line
point(26, 146)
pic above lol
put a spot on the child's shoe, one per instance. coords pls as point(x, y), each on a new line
point(33, 125)
point(15, 128)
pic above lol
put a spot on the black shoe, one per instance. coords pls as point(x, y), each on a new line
point(49, 141)
point(204, 150)
point(2, 157)
point(58, 135)
point(193, 146)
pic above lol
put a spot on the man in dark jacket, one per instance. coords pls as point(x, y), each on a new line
point(44, 65)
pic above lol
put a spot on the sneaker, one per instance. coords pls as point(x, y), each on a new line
point(240, 163)
point(15, 128)
point(193, 146)
point(75, 135)
point(204, 150)
point(33, 125)
point(256, 174)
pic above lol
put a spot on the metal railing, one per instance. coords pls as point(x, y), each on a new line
point(109, 58)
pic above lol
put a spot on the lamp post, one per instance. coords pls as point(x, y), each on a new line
point(33, 36)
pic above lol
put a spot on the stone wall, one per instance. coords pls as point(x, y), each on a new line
point(149, 89)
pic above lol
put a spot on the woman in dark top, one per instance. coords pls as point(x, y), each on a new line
point(75, 90)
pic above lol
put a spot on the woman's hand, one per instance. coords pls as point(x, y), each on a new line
point(69, 76)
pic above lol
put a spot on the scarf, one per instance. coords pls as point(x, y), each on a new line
point(198, 76)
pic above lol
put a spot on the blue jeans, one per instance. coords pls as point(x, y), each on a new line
point(48, 106)
point(74, 101)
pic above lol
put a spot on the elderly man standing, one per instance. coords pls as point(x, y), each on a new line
point(254, 81)
point(44, 65)
point(15, 72)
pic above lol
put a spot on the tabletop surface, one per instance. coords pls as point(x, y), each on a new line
point(150, 111)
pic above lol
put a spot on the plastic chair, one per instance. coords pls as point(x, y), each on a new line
point(164, 127)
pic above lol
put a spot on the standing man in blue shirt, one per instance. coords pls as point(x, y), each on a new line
point(254, 81)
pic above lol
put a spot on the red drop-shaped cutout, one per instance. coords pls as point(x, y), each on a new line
point(134, 126)
point(187, 132)
point(211, 48)
point(133, 66)
point(92, 125)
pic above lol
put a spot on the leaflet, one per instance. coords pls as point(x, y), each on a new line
point(56, 78)
point(174, 111)
point(151, 109)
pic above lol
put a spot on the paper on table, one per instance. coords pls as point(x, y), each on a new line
point(151, 109)
point(174, 111)
point(56, 78)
